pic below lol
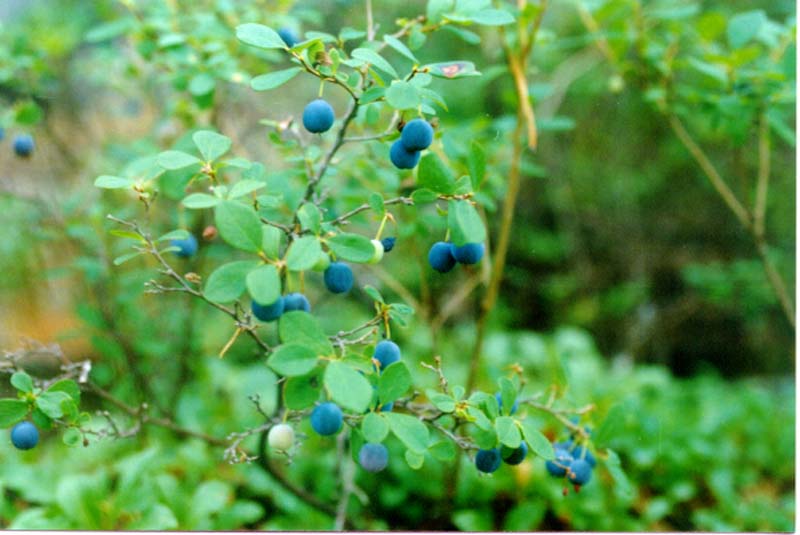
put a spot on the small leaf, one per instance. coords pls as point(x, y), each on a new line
point(239, 225)
point(444, 450)
point(275, 79)
point(615, 469)
point(370, 56)
point(743, 27)
point(210, 144)
point(69, 387)
point(424, 196)
point(492, 17)
point(201, 84)
point(302, 328)
point(352, 247)
point(464, 223)
point(113, 182)
point(402, 95)
point(536, 440)
point(476, 163)
point(292, 360)
point(12, 411)
point(374, 427)
point(245, 187)
point(301, 392)
point(264, 284)
point(507, 431)
point(398, 45)
point(310, 218)
point(72, 437)
point(124, 258)
point(415, 460)
point(409, 430)
point(303, 254)
point(451, 69)
point(375, 201)
point(22, 382)
point(611, 426)
point(200, 200)
point(443, 402)
point(271, 241)
point(175, 159)
point(434, 175)
point(395, 381)
point(260, 36)
point(50, 403)
point(347, 387)
point(228, 281)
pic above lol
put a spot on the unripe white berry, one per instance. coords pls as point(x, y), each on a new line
point(281, 437)
point(378, 254)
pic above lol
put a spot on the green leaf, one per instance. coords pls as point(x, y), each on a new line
point(302, 328)
point(175, 159)
point(351, 247)
point(22, 382)
point(275, 79)
point(611, 426)
point(508, 393)
point(409, 430)
point(271, 241)
point(239, 225)
point(507, 431)
point(444, 450)
point(72, 437)
point(310, 218)
point(201, 84)
point(398, 45)
point(197, 201)
point(303, 254)
point(451, 69)
point(615, 469)
point(245, 187)
point(370, 56)
point(492, 17)
point(464, 223)
point(745, 26)
point(443, 402)
point(476, 163)
point(536, 440)
point(415, 460)
point(178, 234)
point(434, 175)
point(264, 284)
point(124, 258)
point(113, 182)
point(50, 403)
point(424, 196)
point(228, 281)
point(374, 427)
point(210, 144)
point(12, 411)
point(373, 293)
point(395, 381)
point(292, 360)
point(301, 392)
point(260, 36)
point(347, 387)
point(402, 95)
point(69, 387)
point(375, 201)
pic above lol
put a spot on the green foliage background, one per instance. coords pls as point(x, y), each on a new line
point(626, 270)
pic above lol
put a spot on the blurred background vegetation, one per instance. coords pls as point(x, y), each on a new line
point(624, 262)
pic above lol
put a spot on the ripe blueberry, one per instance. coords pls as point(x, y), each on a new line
point(186, 247)
point(318, 116)
point(558, 466)
point(514, 456)
point(499, 399)
point(296, 301)
point(24, 436)
point(339, 278)
point(470, 253)
point(23, 145)
point(488, 461)
point(326, 419)
point(289, 36)
point(268, 312)
point(401, 157)
point(281, 437)
point(388, 244)
point(417, 135)
point(440, 257)
point(373, 457)
point(579, 472)
point(377, 253)
point(578, 453)
point(386, 352)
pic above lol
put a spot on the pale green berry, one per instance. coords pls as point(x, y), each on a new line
point(378, 253)
point(281, 437)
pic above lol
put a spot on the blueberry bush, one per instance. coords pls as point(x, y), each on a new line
point(291, 285)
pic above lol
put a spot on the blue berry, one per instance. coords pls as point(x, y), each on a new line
point(417, 135)
point(268, 312)
point(558, 466)
point(440, 257)
point(499, 399)
point(186, 247)
point(401, 157)
point(488, 461)
point(386, 352)
point(388, 244)
point(296, 301)
point(373, 457)
point(514, 456)
point(289, 36)
point(470, 253)
point(23, 145)
point(24, 436)
point(580, 472)
point(578, 453)
point(326, 419)
point(318, 116)
point(339, 278)
point(388, 407)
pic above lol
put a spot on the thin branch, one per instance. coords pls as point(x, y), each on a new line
point(762, 185)
point(364, 207)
